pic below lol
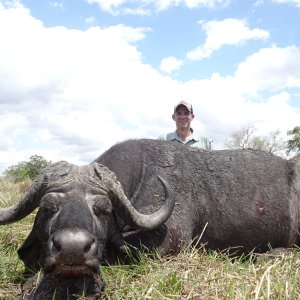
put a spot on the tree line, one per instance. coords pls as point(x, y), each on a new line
point(244, 138)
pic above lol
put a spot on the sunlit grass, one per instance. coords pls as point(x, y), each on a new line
point(193, 274)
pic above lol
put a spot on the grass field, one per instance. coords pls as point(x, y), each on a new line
point(193, 274)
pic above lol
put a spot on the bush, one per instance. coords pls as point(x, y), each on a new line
point(27, 169)
point(294, 143)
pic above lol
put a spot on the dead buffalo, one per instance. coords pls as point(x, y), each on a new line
point(82, 211)
point(241, 199)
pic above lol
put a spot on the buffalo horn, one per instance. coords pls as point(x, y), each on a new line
point(124, 208)
point(24, 207)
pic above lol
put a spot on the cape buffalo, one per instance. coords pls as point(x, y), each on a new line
point(82, 211)
point(241, 199)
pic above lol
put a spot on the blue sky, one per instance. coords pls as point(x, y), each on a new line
point(77, 76)
point(177, 30)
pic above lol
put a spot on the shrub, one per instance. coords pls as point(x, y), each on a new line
point(27, 169)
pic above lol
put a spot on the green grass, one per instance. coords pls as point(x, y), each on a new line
point(193, 274)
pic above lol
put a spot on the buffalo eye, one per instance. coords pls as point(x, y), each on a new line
point(56, 247)
point(102, 206)
point(50, 202)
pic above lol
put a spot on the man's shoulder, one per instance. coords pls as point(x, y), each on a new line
point(168, 137)
point(199, 136)
point(202, 141)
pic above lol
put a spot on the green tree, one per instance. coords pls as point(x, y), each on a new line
point(293, 145)
point(27, 169)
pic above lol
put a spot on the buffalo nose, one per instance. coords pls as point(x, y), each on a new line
point(73, 246)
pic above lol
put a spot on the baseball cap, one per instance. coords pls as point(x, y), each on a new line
point(186, 104)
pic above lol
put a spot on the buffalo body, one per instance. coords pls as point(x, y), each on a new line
point(240, 199)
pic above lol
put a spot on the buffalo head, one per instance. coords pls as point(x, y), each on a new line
point(81, 211)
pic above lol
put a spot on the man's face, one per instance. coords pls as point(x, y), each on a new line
point(182, 117)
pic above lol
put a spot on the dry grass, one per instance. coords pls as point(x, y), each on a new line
point(193, 274)
point(11, 192)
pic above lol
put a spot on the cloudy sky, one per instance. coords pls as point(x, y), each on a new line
point(77, 76)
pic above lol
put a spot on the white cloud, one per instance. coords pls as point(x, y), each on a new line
point(90, 20)
point(292, 2)
point(146, 7)
point(136, 11)
point(57, 4)
point(271, 69)
point(225, 32)
point(82, 88)
point(70, 94)
point(170, 64)
point(206, 3)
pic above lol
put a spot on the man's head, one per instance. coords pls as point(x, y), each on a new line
point(183, 115)
point(185, 104)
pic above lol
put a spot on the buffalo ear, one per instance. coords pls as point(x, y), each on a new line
point(30, 252)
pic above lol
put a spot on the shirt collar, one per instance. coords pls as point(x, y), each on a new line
point(193, 136)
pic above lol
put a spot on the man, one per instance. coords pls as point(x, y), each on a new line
point(183, 116)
